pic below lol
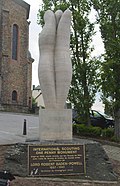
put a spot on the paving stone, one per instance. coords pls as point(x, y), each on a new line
point(112, 151)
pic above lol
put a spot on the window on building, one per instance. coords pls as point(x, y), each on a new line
point(14, 95)
point(15, 42)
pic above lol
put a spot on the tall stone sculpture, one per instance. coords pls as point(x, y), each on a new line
point(55, 74)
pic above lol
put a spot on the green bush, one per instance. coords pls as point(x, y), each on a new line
point(115, 139)
point(75, 128)
point(96, 131)
point(90, 131)
point(83, 130)
point(107, 133)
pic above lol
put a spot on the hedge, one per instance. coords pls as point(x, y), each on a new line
point(90, 131)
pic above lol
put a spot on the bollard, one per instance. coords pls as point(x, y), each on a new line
point(24, 128)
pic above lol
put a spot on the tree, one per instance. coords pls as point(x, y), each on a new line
point(34, 105)
point(108, 16)
point(109, 110)
point(83, 85)
point(52, 5)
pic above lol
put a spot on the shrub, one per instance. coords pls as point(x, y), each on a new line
point(96, 131)
point(83, 130)
point(75, 129)
point(90, 131)
point(107, 133)
point(115, 139)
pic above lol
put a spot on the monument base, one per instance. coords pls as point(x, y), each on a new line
point(97, 163)
point(55, 124)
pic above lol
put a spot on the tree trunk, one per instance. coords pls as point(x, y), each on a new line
point(85, 86)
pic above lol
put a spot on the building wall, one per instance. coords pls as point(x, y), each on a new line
point(15, 74)
point(37, 95)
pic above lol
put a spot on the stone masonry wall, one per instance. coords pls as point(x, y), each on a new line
point(14, 72)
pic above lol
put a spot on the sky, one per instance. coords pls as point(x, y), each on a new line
point(35, 29)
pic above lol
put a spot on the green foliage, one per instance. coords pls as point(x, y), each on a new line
point(115, 139)
point(107, 133)
point(83, 130)
point(109, 107)
point(34, 101)
point(83, 85)
point(34, 105)
point(108, 16)
point(51, 5)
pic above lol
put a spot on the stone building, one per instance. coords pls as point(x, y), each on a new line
point(15, 59)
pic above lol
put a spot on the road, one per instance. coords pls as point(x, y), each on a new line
point(11, 127)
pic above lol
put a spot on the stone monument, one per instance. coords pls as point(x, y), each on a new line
point(56, 153)
point(55, 74)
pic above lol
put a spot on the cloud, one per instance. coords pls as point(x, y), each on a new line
point(34, 30)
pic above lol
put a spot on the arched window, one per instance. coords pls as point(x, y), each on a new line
point(15, 42)
point(14, 95)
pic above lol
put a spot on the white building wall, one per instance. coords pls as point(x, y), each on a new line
point(37, 95)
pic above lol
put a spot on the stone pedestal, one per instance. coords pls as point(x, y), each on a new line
point(98, 165)
point(55, 124)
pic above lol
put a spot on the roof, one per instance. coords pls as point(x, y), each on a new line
point(29, 56)
point(24, 5)
point(36, 88)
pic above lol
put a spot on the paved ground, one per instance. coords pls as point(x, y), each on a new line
point(11, 127)
point(112, 151)
point(11, 131)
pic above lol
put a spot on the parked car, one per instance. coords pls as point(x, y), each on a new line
point(98, 119)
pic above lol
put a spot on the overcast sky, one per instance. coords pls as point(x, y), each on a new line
point(34, 31)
